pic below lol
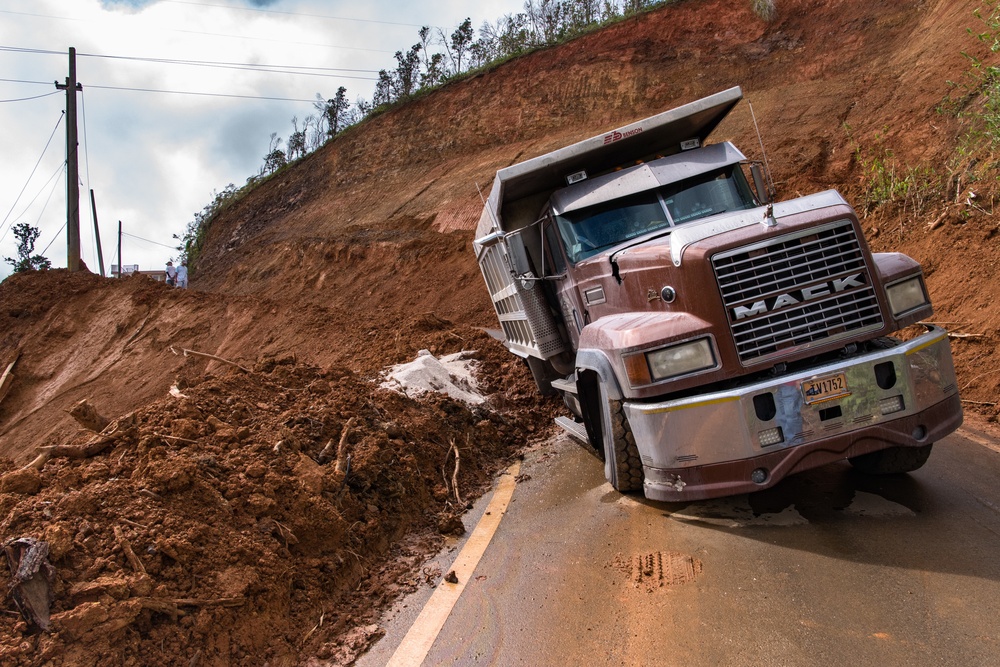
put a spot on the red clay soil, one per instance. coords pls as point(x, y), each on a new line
point(256, 515)
point(250, 545)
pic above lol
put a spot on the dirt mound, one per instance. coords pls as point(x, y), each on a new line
point(219, 526)
point(231, 522)
point(80, 336)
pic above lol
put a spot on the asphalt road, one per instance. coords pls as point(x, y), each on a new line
point(828, 568)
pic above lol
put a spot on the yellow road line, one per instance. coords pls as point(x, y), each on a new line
point(419, 639)
point(969, 435)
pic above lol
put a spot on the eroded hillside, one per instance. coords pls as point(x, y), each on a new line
point(835, 86)
point(359, 256)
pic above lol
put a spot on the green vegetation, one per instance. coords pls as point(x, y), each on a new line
point(764, 9)
point(886, 181)
point(440, 57)
point(977, 96)
point(975, 100)
point(193, 238)
point(26, 236)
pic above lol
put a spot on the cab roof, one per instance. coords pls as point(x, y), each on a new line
point(656, 136)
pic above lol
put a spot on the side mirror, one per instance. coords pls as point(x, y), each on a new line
point(518, 255)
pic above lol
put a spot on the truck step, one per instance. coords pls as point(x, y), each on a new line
point(575, 429)
point(567, 384)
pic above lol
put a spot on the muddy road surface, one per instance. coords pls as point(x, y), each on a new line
point(830, 567)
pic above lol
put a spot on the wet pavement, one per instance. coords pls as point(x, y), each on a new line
point(829, 567)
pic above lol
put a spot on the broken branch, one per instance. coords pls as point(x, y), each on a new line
point(39, 461)
point(88, 416)
point(315, 627)
point(341, 447)
point(218, 602)
point(129, 554)
point(161, 606)
point(173, 437)
point(188, 353)
point(7, 378)
point(937, 223)
point(454, 475)
point(94, 446)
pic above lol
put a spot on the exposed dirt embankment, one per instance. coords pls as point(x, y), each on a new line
point(834, 85)
point(245, 539)
point(818, 67)
point(231, 522)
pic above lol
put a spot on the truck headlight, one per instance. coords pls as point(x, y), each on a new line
point(668, 362)
point(906, 295)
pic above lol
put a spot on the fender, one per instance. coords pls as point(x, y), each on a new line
point(892, 266)
point(602, 343)
point(598, 362)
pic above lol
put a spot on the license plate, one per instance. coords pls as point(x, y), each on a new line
point(825, 388)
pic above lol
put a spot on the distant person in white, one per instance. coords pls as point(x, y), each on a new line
point(172, 274)
point(182, 275)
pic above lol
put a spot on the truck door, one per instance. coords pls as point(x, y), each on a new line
point(564, 288)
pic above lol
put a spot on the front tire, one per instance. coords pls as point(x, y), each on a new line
point(622, 466)
point(892, 461)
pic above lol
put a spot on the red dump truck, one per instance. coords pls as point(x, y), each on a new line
point(708, 339)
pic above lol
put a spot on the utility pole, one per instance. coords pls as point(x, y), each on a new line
point(120, 264)
point(72, 167)
point(97, 232)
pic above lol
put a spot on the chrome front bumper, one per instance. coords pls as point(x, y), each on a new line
point(717, 444)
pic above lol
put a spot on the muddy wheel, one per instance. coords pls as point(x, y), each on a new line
point(892, 461)
point(622, 466)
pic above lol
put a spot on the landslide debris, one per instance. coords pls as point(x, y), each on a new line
point(209, 532)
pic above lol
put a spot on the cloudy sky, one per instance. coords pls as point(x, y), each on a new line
point(155, 158)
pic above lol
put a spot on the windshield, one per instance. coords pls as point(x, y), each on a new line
point(588, 231)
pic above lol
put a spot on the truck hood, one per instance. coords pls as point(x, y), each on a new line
point(683, 236)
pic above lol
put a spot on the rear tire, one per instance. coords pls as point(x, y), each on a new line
point(892, 461)
point(623, 467)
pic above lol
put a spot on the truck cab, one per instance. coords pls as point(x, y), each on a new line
point(708, 339)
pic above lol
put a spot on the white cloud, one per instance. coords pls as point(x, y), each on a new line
point(154, 159)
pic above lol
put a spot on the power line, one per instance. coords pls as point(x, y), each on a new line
point(43, 83)
point(36, 97)
point(46, 204)
point(58, 234)
point(199, 63)
point(6, 217)
point(51, 179)
point(278, 69)
point(188, 92)
point(224, 64)
point(149, 241)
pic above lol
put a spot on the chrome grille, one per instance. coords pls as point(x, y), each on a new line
point(797, 291)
